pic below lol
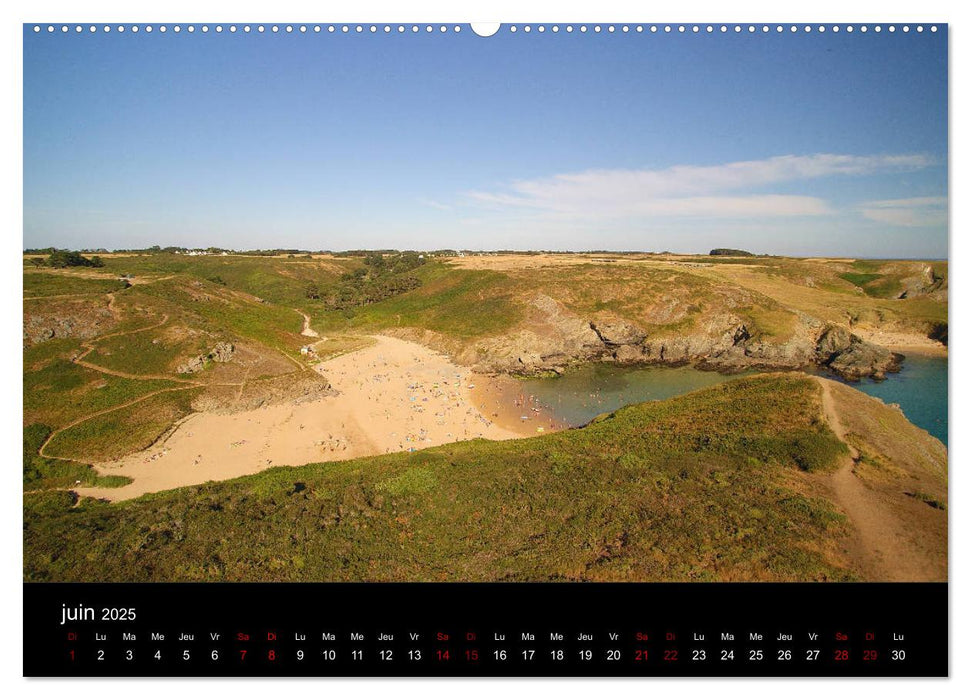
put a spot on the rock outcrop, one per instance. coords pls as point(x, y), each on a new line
point(852, 357)
point(73, 321)
point(924, 283)
point(618, 333)
point(552, 338)
point(266, 392)
point(556, 337)
point(222, 352)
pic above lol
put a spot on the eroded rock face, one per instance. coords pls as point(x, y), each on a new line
point(938, 332)
point(264, 393)
point(222, 352)
point(196, 364)
point(924, 282)
point(725, 342)
point(618, 333)
point(630, 354)
point(555, 338)
point(852, 357)
point(794, 353)
point(86, 323)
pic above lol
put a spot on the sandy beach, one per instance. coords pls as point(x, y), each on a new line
point(393, 396)
point(501, 400)
point(903, 342)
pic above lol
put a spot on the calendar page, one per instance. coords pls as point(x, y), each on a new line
point(437, 349)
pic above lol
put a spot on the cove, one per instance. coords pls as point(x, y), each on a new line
point(919, 388)
point(582, 393)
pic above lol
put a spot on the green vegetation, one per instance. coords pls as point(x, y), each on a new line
point(215, 310)
point(780, 422)
point(380, 278)
point(71, 258)
point(830, 289)
point(42, 284)
point(859, 279)
point(279, 280)
point(36, 357)
point(732, 252)
point(655, 299)
point(886, 279)
point(362, 291)
point(689, 489)
point(341, 345)
point(928, 499)
point(165, 308)
point(41, 473)
point(769, 321)
point(118, 433)
point(157, 351)
point(883, 288)
point(721, 484)
point(59, 391)
point(114, 384)
point(457, 303)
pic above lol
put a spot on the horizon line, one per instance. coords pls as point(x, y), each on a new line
point(474, 251)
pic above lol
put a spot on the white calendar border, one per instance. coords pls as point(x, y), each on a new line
point(829, 11)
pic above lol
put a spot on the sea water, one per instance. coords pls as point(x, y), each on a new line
point(581, 394)
point(919, 388)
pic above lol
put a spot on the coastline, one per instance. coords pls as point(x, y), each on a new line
point(392, 396)
point(502, 400)
point(903, 343)
point(926, 350)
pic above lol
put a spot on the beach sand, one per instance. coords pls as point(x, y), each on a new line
point(502, 401)
point(393, 396)
point(903, 342)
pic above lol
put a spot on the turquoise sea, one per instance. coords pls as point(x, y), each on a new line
point(575, 398)
point(919, 388)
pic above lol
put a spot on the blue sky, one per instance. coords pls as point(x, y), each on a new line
point(805, 144)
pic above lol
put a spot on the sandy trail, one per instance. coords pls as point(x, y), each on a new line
point(880, 540)
point(307, 330)
point(63, 296)
point(393, 396)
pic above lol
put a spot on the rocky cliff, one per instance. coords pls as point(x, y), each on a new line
point(553, 337)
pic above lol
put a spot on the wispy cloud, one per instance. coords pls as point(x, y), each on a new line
point(435, 205)
point(688, 190)
point(916, 211)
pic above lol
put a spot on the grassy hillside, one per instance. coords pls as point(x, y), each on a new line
point(461, 304)
point(105, 349)
point(893, 294)
point(904, 474)
point(730, 483)
point(51, 283)
point(280, 280)
point(714, 485)
point(42, 474)
point(100, 339)
point(477, 308)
